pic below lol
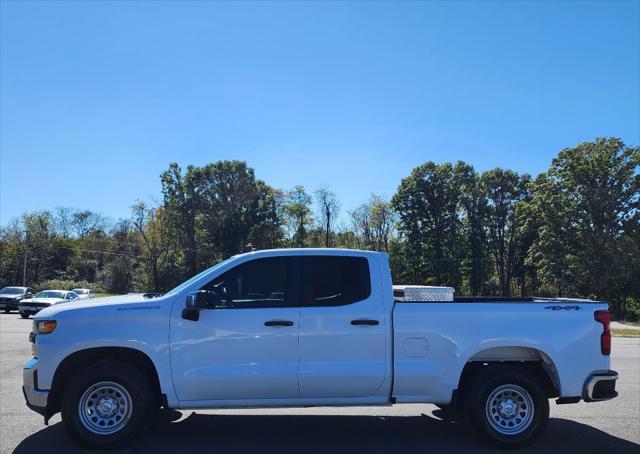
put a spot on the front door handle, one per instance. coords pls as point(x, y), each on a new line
point(278, 323)
point(365, 322)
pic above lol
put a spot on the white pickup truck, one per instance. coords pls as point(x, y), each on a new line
point(313, 327)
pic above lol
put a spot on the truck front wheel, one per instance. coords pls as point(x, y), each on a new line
point(107, 405)
point(509, 409)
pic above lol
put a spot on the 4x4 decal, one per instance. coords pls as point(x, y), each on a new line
point(563, 308)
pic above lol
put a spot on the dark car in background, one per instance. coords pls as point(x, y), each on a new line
point(11, 296)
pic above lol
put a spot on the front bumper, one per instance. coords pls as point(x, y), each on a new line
point(31, 310)
point(8, 305)
point(36, 398)
point(600, 386)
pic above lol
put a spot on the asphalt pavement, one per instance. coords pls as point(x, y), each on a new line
point(604, 427)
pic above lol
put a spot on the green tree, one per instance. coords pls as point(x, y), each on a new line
point(182, 202)
point(236, 210)
point(267, 229)
point(297, 209)
point(588, 207)
point(39, 233)
point(476, 264)
point(121, 273)
point(157, 241)
point(526, 227)
point(12, 248)
point(373, 223)
point(503, 190)
point(217, 211)
point(428, 203)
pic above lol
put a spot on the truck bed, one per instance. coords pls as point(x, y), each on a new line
point(434, 341)
point(398, 298)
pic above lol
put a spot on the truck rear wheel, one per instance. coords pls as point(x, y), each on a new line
point(24, 315)
point(508, 408)
point(107, 405)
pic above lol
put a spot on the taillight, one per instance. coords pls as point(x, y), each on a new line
point(604, 317)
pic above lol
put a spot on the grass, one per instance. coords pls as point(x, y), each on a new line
point(625, 332)
point(100, 295)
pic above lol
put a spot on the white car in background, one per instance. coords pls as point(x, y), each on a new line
point(84, 293)
point(43, 300)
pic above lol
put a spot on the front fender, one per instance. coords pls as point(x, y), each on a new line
point(145, 330)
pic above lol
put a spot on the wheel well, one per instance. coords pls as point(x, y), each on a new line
point(83, 358)
point(533, 361)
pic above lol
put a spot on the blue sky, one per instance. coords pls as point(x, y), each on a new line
point(96, 99)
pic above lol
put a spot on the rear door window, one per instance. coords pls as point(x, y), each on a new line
point(335, 280)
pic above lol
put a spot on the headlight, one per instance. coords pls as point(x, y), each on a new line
point(43, 326)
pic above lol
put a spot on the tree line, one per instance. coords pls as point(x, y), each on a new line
point(572, 231)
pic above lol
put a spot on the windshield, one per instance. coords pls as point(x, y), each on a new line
point(80, 291)
point(186, 284)
point(50, 294)
point(12, 291)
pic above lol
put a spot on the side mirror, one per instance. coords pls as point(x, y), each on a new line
point(195, 301)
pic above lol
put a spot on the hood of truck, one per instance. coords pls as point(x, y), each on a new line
point(89, 303)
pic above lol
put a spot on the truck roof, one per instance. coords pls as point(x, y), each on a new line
point(311, 251)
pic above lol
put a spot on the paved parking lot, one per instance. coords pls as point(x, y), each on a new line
point(605, 427)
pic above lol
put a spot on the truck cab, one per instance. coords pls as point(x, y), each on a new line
point(290, 328)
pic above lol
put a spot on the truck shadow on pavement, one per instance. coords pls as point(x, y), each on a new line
point(236, 433)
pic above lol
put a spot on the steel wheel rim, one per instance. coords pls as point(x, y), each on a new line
point(510, 409)
point(105, 408)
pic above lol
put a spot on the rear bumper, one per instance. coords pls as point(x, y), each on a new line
point(600, 386)
point(36, 398)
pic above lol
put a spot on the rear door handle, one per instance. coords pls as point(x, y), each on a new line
point(278, 323)
point(365, 322)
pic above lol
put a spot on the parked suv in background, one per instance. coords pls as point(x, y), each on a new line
point(43, 300)
point(11, 296)
point(84, 293)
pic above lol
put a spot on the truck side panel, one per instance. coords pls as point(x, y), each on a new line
point(434, 341)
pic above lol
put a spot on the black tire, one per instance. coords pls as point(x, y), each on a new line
point(124, 376)
point(6, 311)
point(23, 315)
point(500, 388)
